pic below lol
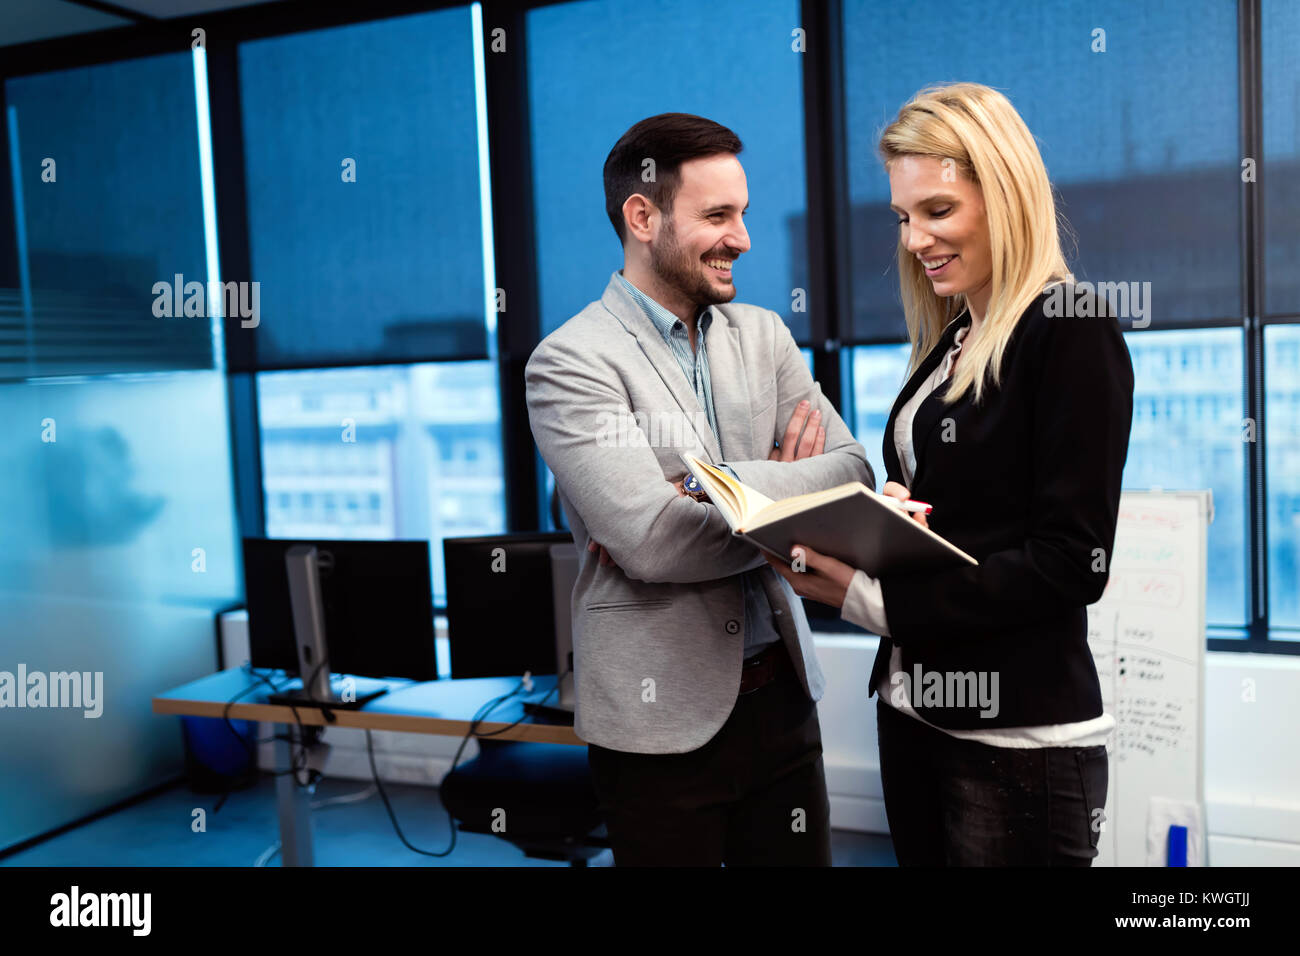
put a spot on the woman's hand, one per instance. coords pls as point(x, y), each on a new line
point(823, 578)
point(895, 490)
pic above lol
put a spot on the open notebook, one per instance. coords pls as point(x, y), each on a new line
point(851, 522)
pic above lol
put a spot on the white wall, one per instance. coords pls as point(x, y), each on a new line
point(1252, 759)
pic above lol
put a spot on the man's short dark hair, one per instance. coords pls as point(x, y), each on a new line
point(670, 139)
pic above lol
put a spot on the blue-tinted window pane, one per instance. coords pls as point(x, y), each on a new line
point(1188, 411)
point(1141, 142)
point(594, 69)
point(1282, 453)
point(389, 266)
point(879, 374)
point(385, 452)
point(1280, 27)
point(108, 187)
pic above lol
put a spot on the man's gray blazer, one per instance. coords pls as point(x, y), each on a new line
point(658, 640)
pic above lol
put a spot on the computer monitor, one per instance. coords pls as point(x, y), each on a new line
point(377, 599)
point(500, 604)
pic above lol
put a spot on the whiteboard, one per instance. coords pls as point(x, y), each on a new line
point(1147, 636)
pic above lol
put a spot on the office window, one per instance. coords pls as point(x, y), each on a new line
point(107, 201)
point(1141, 140)
point(1185, 443)
point(362, 167)
point(594, 69)
point(394, 451)
point(878, 373)
point(1280, 179)
point(1282, 453)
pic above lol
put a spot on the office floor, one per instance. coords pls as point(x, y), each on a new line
point(157, 832)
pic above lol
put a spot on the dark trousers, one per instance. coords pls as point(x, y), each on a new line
point(954, 802)
point(753, 795)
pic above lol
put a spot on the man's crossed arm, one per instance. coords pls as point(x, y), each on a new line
point(804, 437)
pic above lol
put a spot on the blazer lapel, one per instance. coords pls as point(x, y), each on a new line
point(929, 413)
point(932, 411)
point(624, 308)
point(730, 389)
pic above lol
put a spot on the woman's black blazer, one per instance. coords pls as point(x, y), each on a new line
point(1028, 484)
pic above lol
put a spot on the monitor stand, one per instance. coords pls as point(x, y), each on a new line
point(301, 564)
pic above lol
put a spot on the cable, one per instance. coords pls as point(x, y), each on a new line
point(358, 797)
point(297, 761)
point(249, 747)
point(268, 854)
point(511, 726)
point(479, 716)
point(326, 712)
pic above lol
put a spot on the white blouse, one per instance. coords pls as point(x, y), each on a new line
point(864, 605)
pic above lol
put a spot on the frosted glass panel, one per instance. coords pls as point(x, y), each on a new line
point(117, 545)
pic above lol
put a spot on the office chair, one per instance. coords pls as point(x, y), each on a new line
point(537, 796)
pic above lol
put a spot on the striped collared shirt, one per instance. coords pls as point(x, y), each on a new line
point(760, 626)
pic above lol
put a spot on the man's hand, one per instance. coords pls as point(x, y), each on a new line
point(823, 578)
point(894, 490)
point(813, 442)
point(605, 559)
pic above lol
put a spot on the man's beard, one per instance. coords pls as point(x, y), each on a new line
point(674, 267)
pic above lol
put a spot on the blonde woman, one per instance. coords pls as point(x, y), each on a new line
point(1013, 425)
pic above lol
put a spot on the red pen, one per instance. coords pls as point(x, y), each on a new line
point(915, 507)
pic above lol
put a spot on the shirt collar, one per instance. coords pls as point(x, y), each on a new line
point(664, 320)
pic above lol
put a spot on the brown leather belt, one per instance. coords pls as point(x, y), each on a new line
point(763, 668)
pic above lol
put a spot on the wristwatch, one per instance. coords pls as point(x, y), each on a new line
point(692, 486)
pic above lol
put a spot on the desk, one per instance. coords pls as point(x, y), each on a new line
point(443, 707)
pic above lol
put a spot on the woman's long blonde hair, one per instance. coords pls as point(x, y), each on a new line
point(977, 128)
